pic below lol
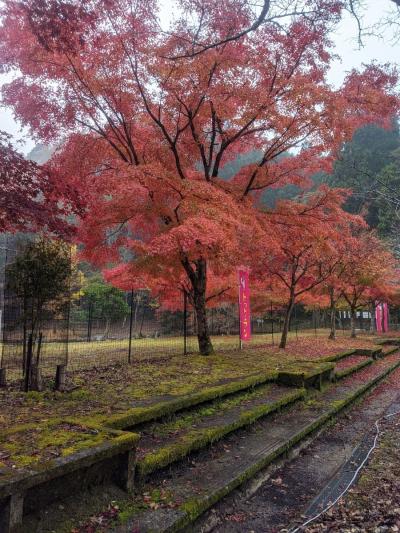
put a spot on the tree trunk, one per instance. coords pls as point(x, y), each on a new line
point(141, 323)
point(198, 279)
point(136, 313)
point(107, 330)
point(332, 334)
point(286, 323)
point(353, 323)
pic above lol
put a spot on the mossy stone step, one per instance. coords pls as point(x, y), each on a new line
point(215, 474)
point(164, 443)
point(341, 373)
point(336, 357)
point(88, 458)
point(307, 374)
point(375, 353)
point(389, 351)
point(394, 341)
point(154, 410)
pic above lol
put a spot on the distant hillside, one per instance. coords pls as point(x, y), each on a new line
point(272, 194)
point(41, 153)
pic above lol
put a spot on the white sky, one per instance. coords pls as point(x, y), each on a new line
point(375, 49)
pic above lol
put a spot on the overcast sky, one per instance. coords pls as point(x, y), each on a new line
point(375, 49)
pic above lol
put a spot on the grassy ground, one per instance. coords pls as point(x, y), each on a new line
point(153, 375)
point(118, 387)
point(86, 355)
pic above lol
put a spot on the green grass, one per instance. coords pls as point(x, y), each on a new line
point(82, 355)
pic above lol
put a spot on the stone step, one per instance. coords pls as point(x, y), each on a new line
point(375, 353)
point(166, 442)
point(350, 365)
point(395, 341)
point(159, 407)
point(196, 485)
point(306, 374)
point(389, 351)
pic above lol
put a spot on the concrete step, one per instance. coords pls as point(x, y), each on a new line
point(159, 407)
point(197, 484)
point(163, 443)
point(350, 365)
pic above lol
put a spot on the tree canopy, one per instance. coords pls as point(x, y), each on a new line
point(148, 124)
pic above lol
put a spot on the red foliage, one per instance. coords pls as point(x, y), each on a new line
point(31, 197)
point(370, 273)
point(147, 136)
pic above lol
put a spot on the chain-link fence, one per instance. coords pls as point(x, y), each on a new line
point(83, 329)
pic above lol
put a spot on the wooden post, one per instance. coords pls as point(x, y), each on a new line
point(39, 347)
point(130, 474)
point(3, 379)
point(36, 378)
point(11, 514)
point(61, 374)
point(272, 325)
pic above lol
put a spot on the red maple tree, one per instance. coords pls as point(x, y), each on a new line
point(147, 128)
point(370, 275)
point(31, 197)
point(304, 248)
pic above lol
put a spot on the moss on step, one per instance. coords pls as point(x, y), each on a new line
point(309, 375)
point(394, 341)
point(187, 419)
point(340, 374)
point(196, 439)
point(138, 415)
point(385, 353)
point(336, 357)
point(39, 444)
point(369, 352)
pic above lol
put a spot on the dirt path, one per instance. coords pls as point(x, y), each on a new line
point(281, 500)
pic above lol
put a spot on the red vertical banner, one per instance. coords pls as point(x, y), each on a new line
point(385, 317)
point(378, 318)
point(244, 305)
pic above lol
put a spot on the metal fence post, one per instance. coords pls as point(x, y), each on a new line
point(28, 363)
point(130, 330)
point(89, 326)
point(272, 326)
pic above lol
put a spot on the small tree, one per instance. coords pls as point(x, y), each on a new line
point(305, 252)
point(40, 276)
point(109, 301)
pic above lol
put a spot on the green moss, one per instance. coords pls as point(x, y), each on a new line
point(24, 460)
point(336, 357)
point(312, 403)
point(183, 421)
point(80, 394)
point(340, 374)
point(35, 396)
point(196, 439)
point(36, 444)
point(193, 508)
point(161, 409)
point(84, 444)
